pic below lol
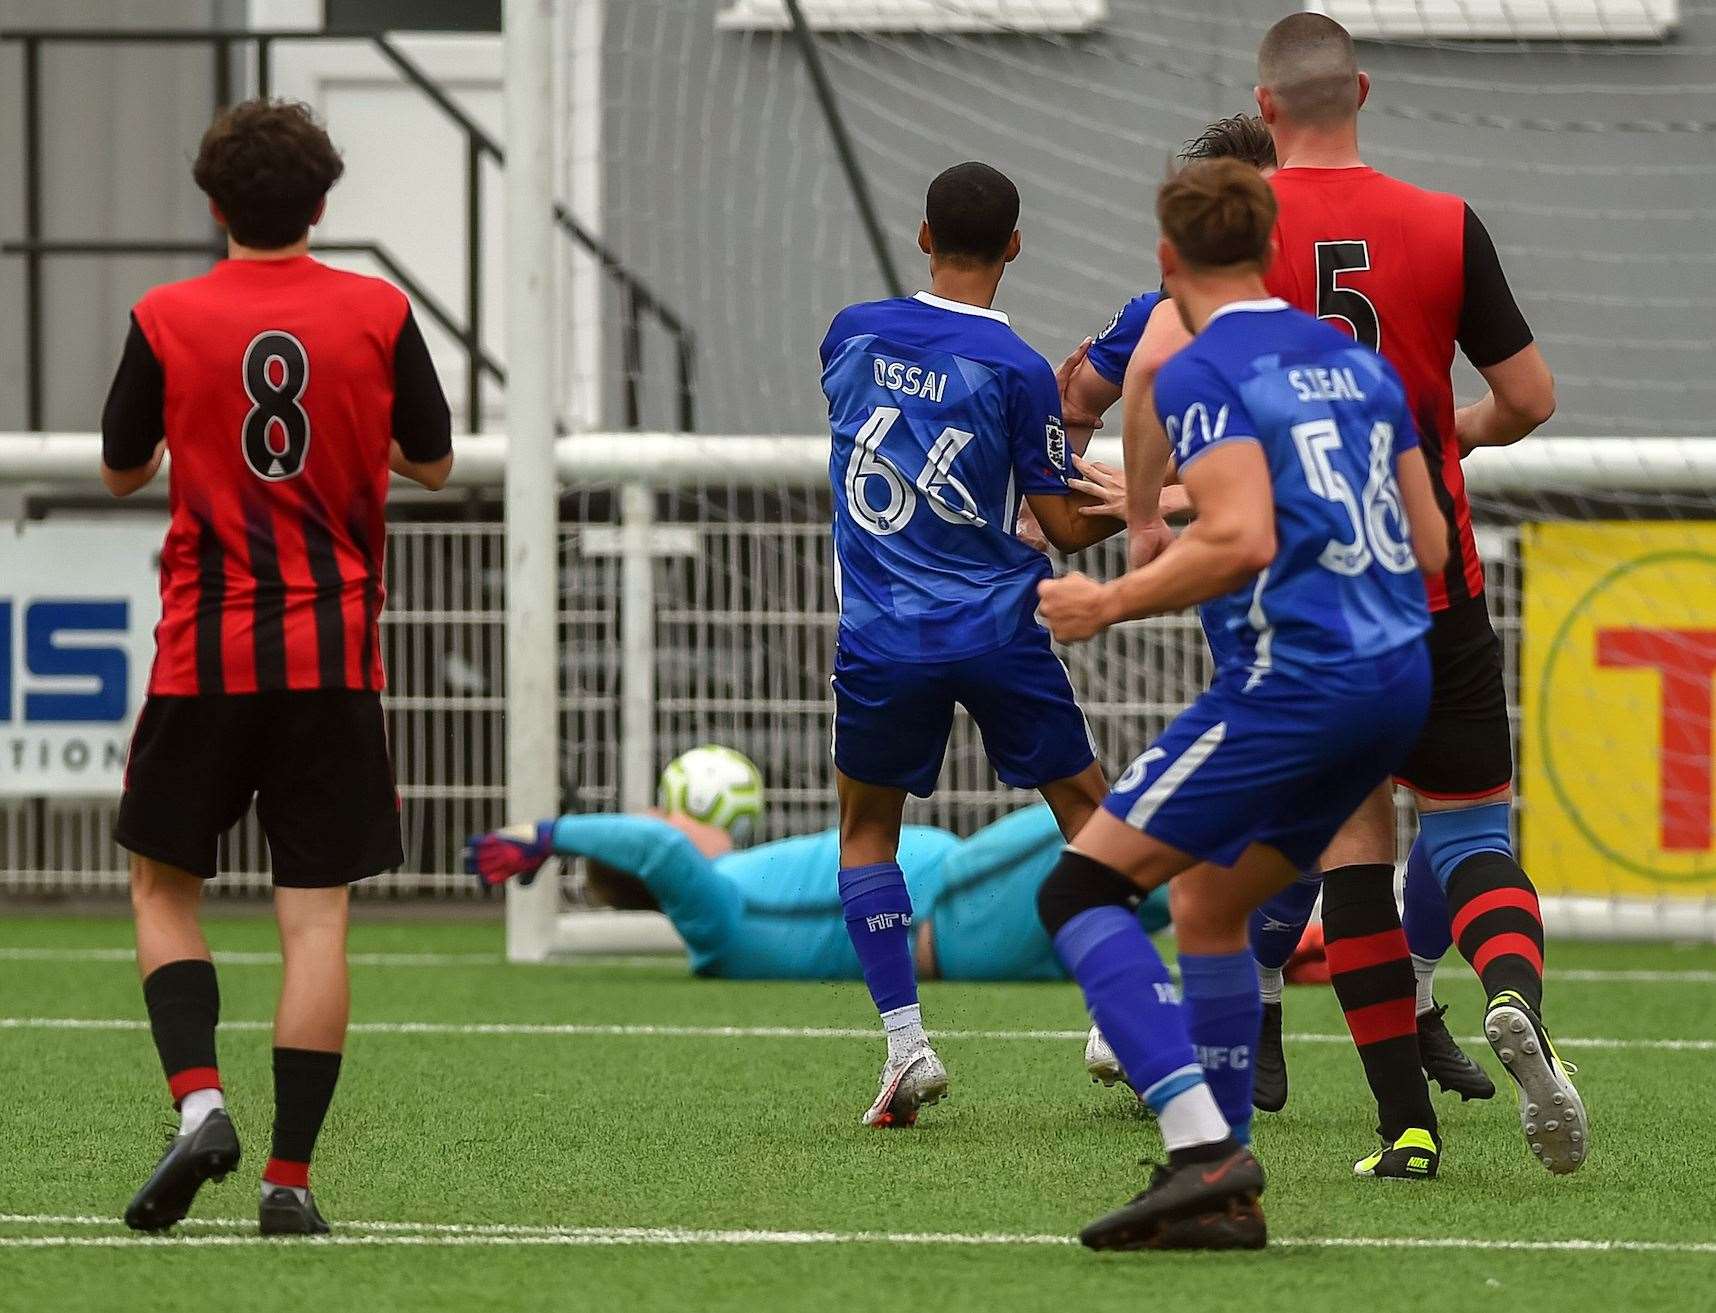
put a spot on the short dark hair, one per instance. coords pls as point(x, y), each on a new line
point(267, 164)
point(1217, 213)
point(1242, 137)
point(1307, 61)
point(972, 211)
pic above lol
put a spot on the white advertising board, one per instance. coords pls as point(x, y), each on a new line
point(78, 606)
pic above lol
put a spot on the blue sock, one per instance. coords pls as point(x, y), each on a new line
point(1279, 925)
point(1133, 999)
point(1426, 907)
point(1225, 1015)
point(879, 920)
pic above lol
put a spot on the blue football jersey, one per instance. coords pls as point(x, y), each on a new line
point(1112, 348)
point(942, 418)
point(1332, 419)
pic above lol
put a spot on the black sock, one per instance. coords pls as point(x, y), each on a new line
point(1213, 1152)
point(304, 1081)
point(1371, 972)
point(183, 999)
point(1498, 925)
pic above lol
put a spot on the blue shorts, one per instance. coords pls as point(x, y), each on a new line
point(1285, 762)
point(892, 717)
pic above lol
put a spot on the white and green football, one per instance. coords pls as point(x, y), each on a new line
point(715, 785)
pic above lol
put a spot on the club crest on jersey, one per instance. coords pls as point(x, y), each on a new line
point(1057, 442)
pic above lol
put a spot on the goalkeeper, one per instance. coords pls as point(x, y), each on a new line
point(765, 913)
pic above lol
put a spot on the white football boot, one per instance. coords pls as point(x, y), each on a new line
point(1099, 1060)
point(909, 1083)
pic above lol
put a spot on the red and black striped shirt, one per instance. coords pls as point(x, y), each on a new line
point(1412, 274)
point(278, 386)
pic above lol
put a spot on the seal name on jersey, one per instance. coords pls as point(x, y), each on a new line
point(909, 380)
point(1314, 383)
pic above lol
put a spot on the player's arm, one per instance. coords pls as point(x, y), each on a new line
point(1424, 518)
point(1085, 397)
point(702, 905)
point(133, 422)
point(1040, 460)
point(1145, 443)
point(1521, 397)
point(1494, 336)
point(1085, 394)
point(422, 446)
point(1232, 539)
point(1063, 521)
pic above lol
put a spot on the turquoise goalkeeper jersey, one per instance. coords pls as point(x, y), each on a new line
point(773, 912)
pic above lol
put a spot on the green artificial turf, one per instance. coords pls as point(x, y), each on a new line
point(750, 1133)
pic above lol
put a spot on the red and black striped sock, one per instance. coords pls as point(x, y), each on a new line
point(183, 999)
point(1371, 971)
point(304, 1081)
point(1498, 925)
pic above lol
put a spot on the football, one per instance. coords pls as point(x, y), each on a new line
point(716, 785)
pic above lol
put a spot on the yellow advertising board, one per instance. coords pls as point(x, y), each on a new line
point(1616, 681)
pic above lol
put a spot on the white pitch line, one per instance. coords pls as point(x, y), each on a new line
point(435, 1234)
point(257, 959)
point(572, 1030)
point(1571, 975)
point(1619, 976)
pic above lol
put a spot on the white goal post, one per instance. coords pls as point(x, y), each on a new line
point(696, 604)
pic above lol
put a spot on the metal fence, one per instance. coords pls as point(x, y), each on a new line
point(720, 547)
point(743, 640)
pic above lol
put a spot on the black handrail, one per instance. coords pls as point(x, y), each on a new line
point(636, 298)
point(172, 246)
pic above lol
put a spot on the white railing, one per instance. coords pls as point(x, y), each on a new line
point(697, 605)
point(683, 460)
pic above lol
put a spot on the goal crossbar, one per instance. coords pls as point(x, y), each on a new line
point(669, 460)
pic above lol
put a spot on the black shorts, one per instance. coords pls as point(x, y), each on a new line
point(317, 763)
point(1466, 749)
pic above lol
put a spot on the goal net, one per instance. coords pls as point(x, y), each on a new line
point(696, 596)
point(1574, 129)
point(697, 606)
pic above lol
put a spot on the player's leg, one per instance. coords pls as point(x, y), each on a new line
point(179, 797)
point(1276, 929)
point(1370, 970)
point(878, 914)
point(309, 1041)
point(1085, 905)
point(1498, 927)
point(890, 734)
point(1428, 936)
point(183, 999)
point(1176, 804)
point(1492, 905)
point(1218, 975)
point(1461, 771)
point(1036, 736)
point(1186, 1052)
point(1076, 798)
point(328, 807)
